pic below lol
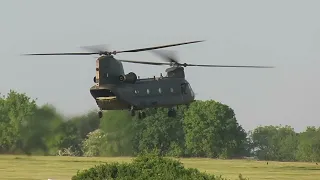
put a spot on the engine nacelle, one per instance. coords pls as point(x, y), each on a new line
point(177, 72)
point(129, 78)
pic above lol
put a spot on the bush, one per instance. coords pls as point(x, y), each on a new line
point(147, 166)
point(95, 143)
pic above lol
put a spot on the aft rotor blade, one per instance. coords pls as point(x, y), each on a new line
point(159, 47)
point(144, 62)
point(99, 48)
point(168, 56)
point(204, 65)
point(50, 54)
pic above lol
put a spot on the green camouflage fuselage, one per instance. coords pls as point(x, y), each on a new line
point(113, 93)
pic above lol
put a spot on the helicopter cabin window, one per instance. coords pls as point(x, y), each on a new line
point(184, 88)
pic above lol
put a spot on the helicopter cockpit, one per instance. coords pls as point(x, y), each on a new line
point(186, 88)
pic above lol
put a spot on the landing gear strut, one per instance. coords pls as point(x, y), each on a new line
point(100, 114)
point(132, 111)
point(141, 115)
point(172, 112)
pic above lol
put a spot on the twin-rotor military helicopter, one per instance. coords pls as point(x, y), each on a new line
point(115, 90)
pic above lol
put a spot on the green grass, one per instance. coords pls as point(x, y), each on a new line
point(61, 168)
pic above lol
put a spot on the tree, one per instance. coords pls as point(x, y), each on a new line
point(211, 130)
point(205, 129)
point(288, 142)
point(40, 130)
point(309, 145)
point(275, 143)
point(95, 143)
point(158, 131)
point(17, 115)
point(85, 123)
point(27, 128)
point(47, 129)
point(118, 126)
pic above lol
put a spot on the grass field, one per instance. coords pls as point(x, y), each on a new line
point(62, 168)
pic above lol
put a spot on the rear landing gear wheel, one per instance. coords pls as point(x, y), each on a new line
point(132, 112)
point(141, 115)
point(171, 112)
point(100, 114)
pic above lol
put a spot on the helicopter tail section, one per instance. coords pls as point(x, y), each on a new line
point(111, 103)
point(108, 71)
point(107, 100)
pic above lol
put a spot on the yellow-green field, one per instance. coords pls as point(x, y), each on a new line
point(62, 168)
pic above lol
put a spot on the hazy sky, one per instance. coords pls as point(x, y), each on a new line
point(285, 34)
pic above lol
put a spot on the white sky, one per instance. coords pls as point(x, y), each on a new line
point(285, 34)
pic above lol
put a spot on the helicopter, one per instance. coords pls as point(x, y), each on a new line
point(113, 89)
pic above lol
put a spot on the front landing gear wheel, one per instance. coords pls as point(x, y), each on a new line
point(100, 114)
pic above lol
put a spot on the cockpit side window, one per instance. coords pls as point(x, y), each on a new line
point(190, 89)
point(184, 88)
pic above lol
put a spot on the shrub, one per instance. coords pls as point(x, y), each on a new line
point(147, 166)
point(95, 143)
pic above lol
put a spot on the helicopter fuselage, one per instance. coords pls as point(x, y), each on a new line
point(144, 93)
point(115, 90)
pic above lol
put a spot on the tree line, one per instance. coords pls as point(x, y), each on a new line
point(204, 129)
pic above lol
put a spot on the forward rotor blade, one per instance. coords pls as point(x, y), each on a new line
point(97, 50)
point(144, 62)
point(204, 65)
point(49, 54)
point(159, 47)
